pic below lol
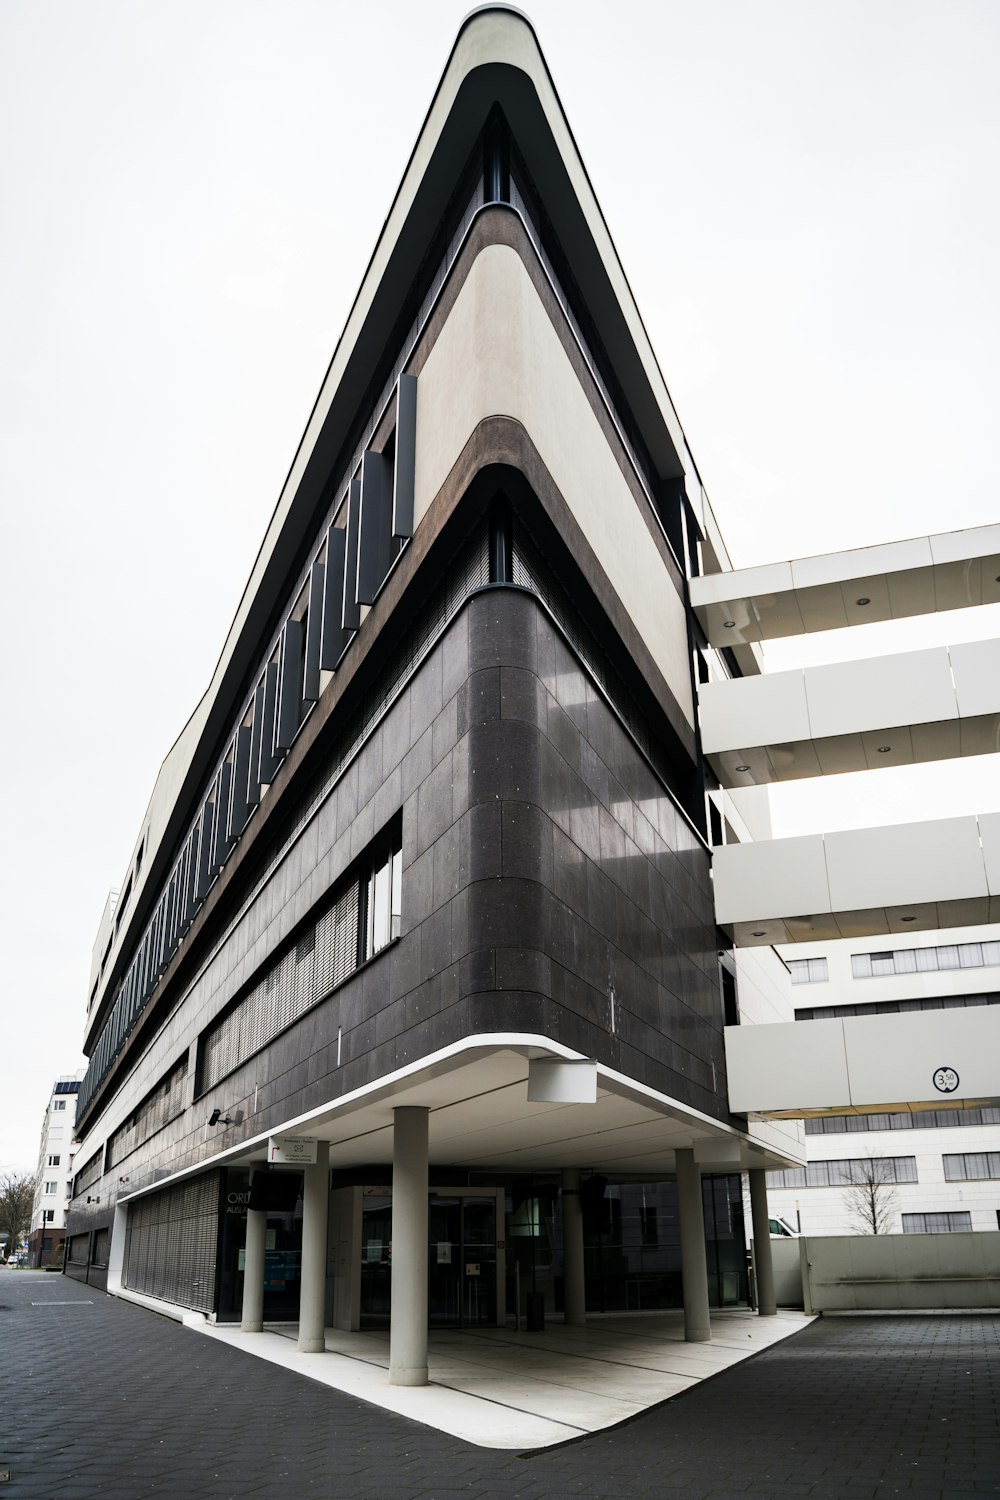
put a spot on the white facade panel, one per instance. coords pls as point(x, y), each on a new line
point(959, 546)
point(989, 837)
point(912, 688)
point(530, 379)
point(779, 878)
point(893, 581)
point(862, 563)
point(899, 1059)
point(924, 1059)
point(753, 711)
point(745, 583)
point(976, 665)
point(873, 867)
point(792, 1067)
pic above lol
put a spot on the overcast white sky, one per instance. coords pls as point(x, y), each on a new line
point(804, 196)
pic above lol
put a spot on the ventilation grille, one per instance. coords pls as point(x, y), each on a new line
point(296, 981)
point(170, 1247)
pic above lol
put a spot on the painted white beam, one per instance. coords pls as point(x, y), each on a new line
point(907, 878)
point(954, 570)
point(936, 704)
point(930, 1059)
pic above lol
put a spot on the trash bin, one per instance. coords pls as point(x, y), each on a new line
point(536, 1312)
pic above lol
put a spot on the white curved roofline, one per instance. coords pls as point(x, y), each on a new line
point(491, 37)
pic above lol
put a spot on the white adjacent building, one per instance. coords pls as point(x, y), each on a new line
point(935, 1170)
point(54, 1174)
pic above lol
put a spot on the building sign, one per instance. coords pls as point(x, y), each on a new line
point(292, 1150)
point(945, 1080)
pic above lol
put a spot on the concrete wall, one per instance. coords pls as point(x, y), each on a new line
point(787, 1272)
point(912, 1271)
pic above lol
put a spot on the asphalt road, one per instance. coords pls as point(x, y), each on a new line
point(100, 1398)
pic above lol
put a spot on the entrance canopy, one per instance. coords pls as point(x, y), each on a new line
point(480, 1117)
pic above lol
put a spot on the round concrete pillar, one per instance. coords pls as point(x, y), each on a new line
point(574, 1285)
point(694, 1266)
point(252, 1320)
point(408, 1319)
point(315, 1212)
point(763, 1264)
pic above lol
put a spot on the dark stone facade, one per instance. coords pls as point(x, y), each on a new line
point(550, 885)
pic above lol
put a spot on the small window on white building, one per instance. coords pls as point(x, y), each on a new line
point(971, 1166)
point(808, 970)
point(49, 1216)
point(51, 1188)
point(925, 960)
point(58, 1104)
point(54, 1161)
point(939, 1223)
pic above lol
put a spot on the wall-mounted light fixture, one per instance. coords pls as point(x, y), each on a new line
point(218, 1118)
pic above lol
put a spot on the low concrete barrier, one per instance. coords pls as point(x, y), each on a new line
point(897, 1271)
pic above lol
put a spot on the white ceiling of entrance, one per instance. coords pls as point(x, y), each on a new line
point(480, 1117)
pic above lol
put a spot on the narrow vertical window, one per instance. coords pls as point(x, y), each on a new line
point(383, 912)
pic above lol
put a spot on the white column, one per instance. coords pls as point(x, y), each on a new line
point(574, 1288)
point(315, 1212)
point(253, 1272)
point(763, 1264)
point(408, 1323)
point(694, 1267)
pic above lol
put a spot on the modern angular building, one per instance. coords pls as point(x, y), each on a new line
point(426, 877)
point(412, 1004)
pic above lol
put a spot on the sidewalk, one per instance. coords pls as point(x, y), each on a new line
point(502, 1389)
point(102, 1400)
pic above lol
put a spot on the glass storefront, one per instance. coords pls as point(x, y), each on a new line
point(631, 1249)
point(282, 1258)
point(632, 1255)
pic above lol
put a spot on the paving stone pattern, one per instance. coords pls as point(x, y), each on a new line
point(100, 1398)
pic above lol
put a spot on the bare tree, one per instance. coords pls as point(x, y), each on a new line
point(17, 1195)
point(871, 1195)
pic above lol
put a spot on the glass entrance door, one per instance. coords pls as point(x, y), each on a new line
point(376, 1270)
point(462, 1269)
point(461, 1261)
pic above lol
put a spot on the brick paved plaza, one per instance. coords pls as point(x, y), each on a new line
point(101, 1398)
